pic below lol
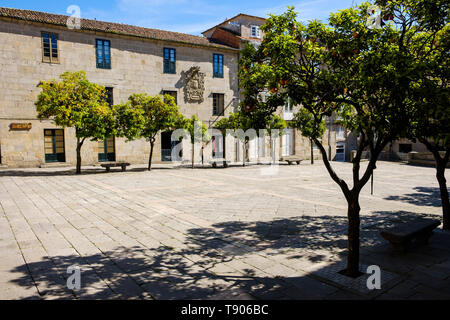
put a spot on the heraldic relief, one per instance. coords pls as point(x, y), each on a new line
point(194, 84)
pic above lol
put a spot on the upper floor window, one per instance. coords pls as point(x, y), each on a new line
point(218, 65)
point(315, 146)
point(288, 109)
point(256, 32)
point(170, 60)
point(173, 94)
point(340, 132)
point(218, 104)
point(405, 147)
point(103, 54)
point(50, 47)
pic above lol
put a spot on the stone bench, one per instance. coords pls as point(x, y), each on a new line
point(403, 236)
point(110, 165)
point(292, 159)
point(224, 162)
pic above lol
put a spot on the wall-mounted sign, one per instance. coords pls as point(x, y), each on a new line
point(20, 126)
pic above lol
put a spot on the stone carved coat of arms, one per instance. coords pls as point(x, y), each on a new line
point(194, 84)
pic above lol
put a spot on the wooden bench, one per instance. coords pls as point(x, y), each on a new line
point(110, 165)
point(403, 236)
point(292, 159)
point(224, 162)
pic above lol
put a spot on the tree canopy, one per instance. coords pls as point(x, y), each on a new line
point(144, 116)
point(198, 133)
point(76, 102)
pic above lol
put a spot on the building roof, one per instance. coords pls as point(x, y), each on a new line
point(109, 27)
point(236, 16)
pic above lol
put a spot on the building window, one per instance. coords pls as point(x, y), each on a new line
point(50, 47)
point(218, 65)
point(54, 145)
point(172, 94)
point(109, 96)
point(340, 152)
point(340, 132)
point(315, 146)
point(256, 32)
point(168, 146)
point(103, 54)
point(170, 61)
point(218, 104)
point(404, 147)
point(107, 150)
point(288, 142)
point(288, 110)
point(218, 147)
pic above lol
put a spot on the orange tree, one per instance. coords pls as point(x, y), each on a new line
point(430, 90)
point(76, 102)
point(347, 67)
point(309, 127)
point(198, 133)
point(144, 116)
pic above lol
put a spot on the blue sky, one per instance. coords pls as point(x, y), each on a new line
point(188, 16)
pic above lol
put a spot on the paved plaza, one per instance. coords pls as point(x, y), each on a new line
point(235, 233)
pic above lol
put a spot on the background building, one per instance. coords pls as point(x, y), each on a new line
point(237, 32)
point(126, 59)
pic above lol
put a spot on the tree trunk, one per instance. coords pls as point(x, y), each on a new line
point(203, 155)
point(272, 149)
point(79, 145)
point(193, 155)
point(440, 175)
point(312, 152)
point(441, 164)
point(244, 153)
point(152, 144)
point(353, 236)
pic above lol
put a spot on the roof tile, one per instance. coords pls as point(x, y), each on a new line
point(109, 27)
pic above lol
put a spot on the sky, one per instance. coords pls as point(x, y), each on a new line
point(187, 16)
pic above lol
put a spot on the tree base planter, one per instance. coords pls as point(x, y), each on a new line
point(356, 276)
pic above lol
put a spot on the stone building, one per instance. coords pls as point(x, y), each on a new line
point(126, 59)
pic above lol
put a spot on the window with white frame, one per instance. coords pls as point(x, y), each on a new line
point(340, 132)
point(256, 32)
point(288, 110)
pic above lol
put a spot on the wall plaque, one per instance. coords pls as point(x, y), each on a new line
point(194, 84)
point(20, 126)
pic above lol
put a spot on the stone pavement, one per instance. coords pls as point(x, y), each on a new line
point(236, 233)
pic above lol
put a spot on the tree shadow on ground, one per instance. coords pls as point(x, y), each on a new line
point(425, 196)
point(223, 261)
point(45, 173)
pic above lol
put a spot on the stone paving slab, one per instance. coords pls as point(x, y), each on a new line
point(212, 234)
